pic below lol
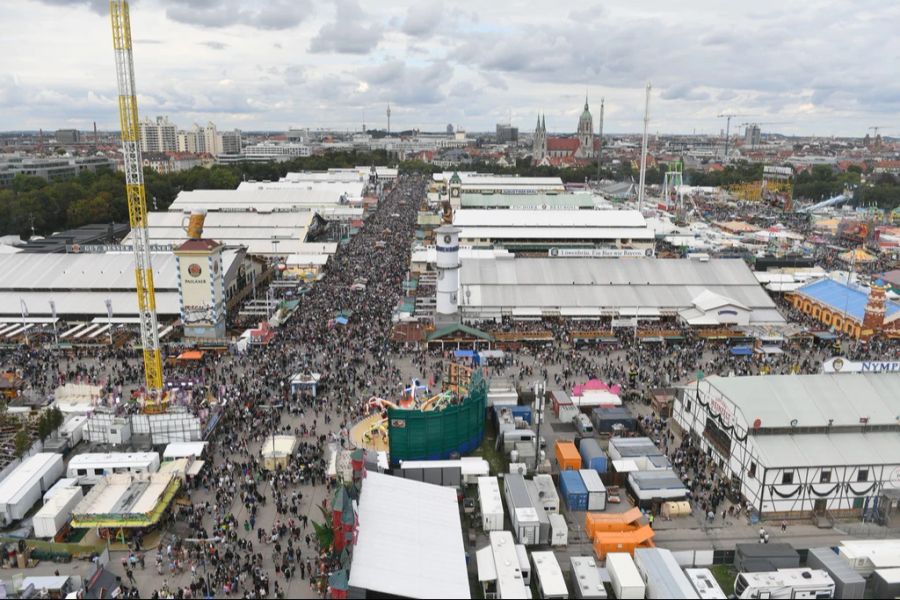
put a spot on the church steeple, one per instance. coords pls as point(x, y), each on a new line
point(586, 100)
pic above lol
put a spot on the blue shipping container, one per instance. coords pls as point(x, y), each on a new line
point(521, 412)
point(592, 455)
point(573, 491)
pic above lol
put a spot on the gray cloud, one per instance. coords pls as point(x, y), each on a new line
point(270, 14)
point(101, 7)
point(214, 45)
point(422, 19)
point(469, 63)
point(684, 92)
point(348, 33)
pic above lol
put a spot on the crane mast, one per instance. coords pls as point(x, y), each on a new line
point(154, 399)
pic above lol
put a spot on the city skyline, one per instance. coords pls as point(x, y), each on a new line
point(293, 64)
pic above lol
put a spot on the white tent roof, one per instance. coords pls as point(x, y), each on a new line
point(813, 400)
point(409, 540)
point(80, 284)
point(607, 286)
point(256, 231)
point(264, 199)
point(548, 218)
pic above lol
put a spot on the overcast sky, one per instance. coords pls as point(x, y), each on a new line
point(825, 67)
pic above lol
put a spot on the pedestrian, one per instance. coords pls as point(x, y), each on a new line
point(783, 525)
point(650, 517)
point(762, 535)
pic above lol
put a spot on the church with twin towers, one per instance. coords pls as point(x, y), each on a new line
point(583, 147)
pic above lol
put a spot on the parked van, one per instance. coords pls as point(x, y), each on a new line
point(583, 424)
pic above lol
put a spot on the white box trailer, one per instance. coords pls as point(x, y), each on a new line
point(23, 487)
point(867, 555)
point(559, 530)
point(90, 468)
point(65, 482)
point(595, 488)
point(663, 575)
point(54, 514)
point(784, 583)
point(548, 496)
point(586, 579)
point(624, 576)
point(705, 584)
point(524, 563)
point(549, 576)
point(73, 429)
point(524, 516)
point(491, 504)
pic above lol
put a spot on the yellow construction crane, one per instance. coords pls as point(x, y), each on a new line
point(154, 395)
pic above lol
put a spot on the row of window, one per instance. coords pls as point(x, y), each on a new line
point(787, 478)
point(101, 471)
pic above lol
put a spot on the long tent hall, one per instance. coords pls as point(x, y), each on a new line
point(261, 233)
point(81, 284)
point(800, 442)
point(259, 199)
point(591, 287)
point(624, 228)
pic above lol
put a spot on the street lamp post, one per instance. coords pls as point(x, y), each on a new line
point(55, 332)
point(539, 388)
point(109, 314)
point(24, 318)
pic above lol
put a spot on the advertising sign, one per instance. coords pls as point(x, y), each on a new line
point(600, 253)
point(842, 365)
point(201, 289)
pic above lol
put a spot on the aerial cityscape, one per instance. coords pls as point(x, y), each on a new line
point(449, 300)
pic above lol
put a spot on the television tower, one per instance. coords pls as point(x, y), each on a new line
point(389, 118)
point(644, 150)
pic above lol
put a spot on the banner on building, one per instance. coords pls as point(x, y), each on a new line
point(842, 365)
point(601, 252)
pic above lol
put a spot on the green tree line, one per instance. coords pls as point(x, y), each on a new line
point(100, 197)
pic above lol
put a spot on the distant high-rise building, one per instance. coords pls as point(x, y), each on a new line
point(231, 142)
point(507, 133)
point(158, 136)
point(68, 136)
point(752, 135)
point(449, 128)
point(212, 143)
point(298, 135)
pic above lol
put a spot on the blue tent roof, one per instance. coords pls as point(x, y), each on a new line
point(742, 351)
point(843, 298)
point(341, 320)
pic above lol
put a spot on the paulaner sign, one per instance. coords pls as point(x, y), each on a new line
point(842, 365)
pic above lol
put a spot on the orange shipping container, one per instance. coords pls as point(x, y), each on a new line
point(623, 541)
point(567, 456)
point(600, 522)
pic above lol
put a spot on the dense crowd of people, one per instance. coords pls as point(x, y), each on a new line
point(246, 530)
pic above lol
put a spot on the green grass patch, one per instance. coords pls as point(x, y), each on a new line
point(488, 451)
point(725, 575)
